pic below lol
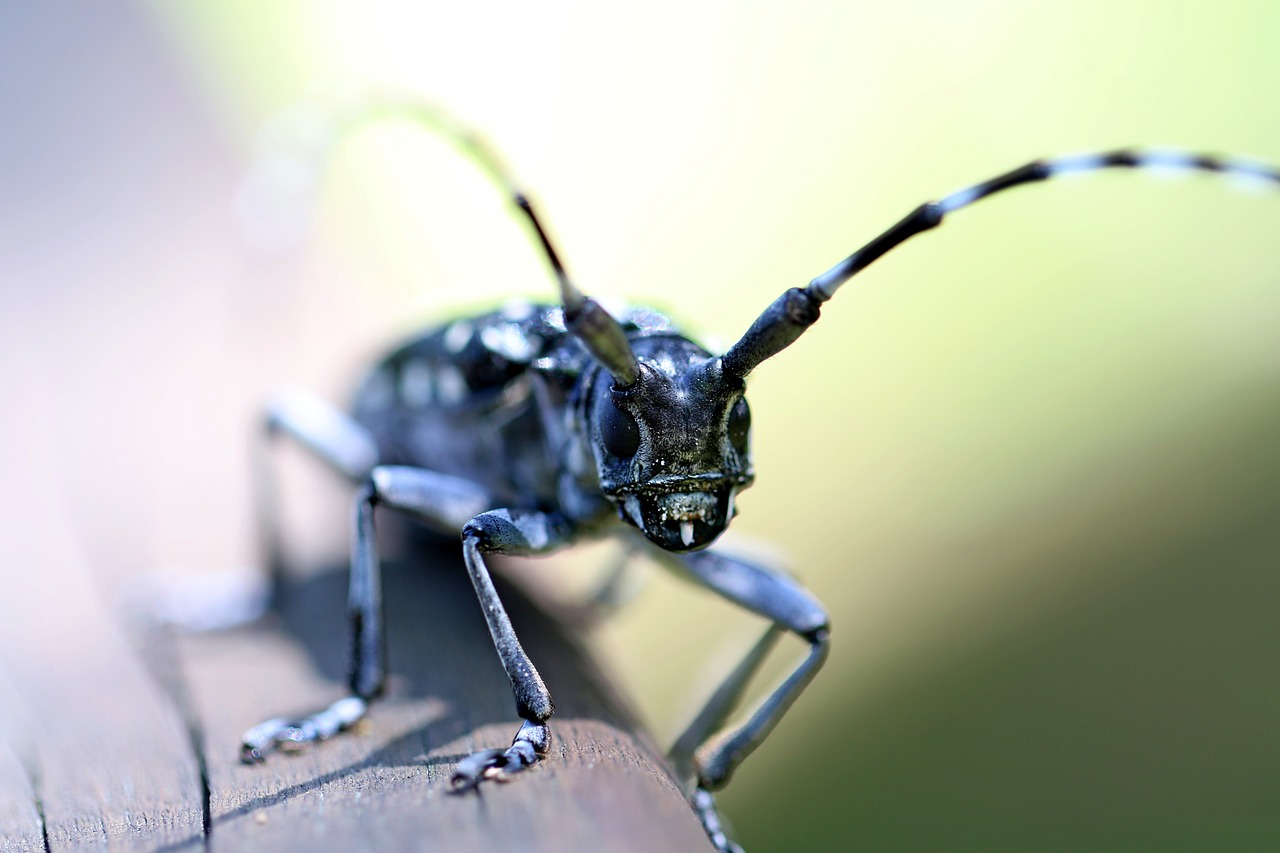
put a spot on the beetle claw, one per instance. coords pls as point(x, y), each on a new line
point(296, 735)
point(499, 764)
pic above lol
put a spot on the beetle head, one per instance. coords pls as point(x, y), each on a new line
point(672, 448)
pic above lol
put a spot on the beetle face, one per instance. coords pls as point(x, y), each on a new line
point(673, 448)
point(680, 521)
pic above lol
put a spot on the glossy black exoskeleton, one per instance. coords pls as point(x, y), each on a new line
point(530, 427)
point(513, 400)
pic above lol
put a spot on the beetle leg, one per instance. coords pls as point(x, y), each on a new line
point(781, 599)
point(720, 705)
point(516, 532)
point(329, 434)
point(289, 735)
point(438, 499)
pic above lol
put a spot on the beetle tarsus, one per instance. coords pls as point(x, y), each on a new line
point(296, 735)
point(704, 805)
point(499, 765)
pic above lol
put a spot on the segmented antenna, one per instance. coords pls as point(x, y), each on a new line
point(474, 147)
point(598, 331)
point(796, 310)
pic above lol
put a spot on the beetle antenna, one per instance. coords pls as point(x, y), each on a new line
point(474, 147)
point(598, 331)
point(796, 310)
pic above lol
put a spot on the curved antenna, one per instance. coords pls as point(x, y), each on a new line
point(473, 146)
point(787, 318)
point(598, 331)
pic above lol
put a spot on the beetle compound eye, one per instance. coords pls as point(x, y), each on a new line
point(619, 431)
point(739, 425)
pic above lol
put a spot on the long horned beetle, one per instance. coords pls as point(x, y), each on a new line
point(607, 423)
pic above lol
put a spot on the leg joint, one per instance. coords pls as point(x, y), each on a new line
point(819, 636)
point(474, 536)
point(533, 703)
point(368, 493)
point(806, 618)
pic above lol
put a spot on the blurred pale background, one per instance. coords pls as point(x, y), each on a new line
point(1029, 461)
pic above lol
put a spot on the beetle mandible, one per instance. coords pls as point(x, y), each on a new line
point(531, 427)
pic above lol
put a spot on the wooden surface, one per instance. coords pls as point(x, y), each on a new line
point(113, 740)
point(127, 410)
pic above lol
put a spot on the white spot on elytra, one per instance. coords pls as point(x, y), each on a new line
point(451, 388)
point(415, 383)
point(457, 336)
point(507, 340)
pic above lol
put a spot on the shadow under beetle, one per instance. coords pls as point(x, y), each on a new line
point(530, 427)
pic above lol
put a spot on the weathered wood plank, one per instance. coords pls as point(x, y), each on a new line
point(103, 749)
point(20, 826)
point(20, 829)
point(385, 786)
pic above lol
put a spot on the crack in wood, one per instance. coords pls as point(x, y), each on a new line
point(160, 660)
point(34, 781)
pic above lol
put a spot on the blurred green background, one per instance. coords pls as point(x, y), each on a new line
point(1028, 461)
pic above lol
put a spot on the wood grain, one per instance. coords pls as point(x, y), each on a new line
point(604, 787)
point(111, 742)
point(92, 745)
point(20, 826)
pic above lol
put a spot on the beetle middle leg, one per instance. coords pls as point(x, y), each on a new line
point(445, 502)
point(450, 502)
point(330, 435)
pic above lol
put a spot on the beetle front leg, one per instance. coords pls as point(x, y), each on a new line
point(513, 532)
